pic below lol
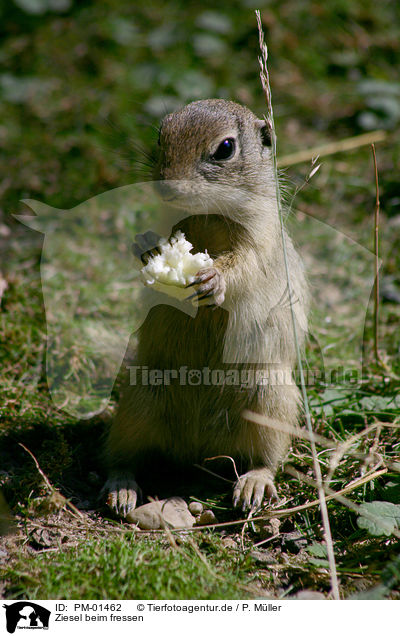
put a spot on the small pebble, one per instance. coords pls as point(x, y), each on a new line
point(207, 518)
point(309, 595)
point(171, 512)
point(196, 508)
point(271, 528)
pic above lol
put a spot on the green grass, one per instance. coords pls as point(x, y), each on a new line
point(124, 568)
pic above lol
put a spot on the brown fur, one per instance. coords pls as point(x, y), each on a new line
point(234, 217)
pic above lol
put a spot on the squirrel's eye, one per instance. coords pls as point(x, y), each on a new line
point(225, 150)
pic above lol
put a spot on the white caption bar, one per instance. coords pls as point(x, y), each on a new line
point(306, 618)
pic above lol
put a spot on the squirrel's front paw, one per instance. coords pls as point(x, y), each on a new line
point(210, 287)
point(146, 246)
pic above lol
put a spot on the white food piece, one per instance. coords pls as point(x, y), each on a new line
point(175, 267)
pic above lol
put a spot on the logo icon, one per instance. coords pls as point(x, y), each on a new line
point(26, 615)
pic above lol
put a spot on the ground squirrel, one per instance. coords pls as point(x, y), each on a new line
point(215, 163)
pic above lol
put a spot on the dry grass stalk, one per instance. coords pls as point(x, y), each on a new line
point(317, 469)
point(340, 449)
point(344, 145)
point(63, 501)
point(209, 459)
point(376, 251)
point(249, 518)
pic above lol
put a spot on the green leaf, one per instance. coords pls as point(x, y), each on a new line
point(379, 517)
point(34, 7)
point(319, 563)
point(319, 555)
point(380, 403)
point(19, 90)
point(214, 21)
point(194, 85)
point(206, 45)
point(318, 550)
point(38, 7)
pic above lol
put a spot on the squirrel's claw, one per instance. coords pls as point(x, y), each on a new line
point(210, 286)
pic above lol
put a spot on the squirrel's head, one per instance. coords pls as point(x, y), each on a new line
point(213, 145)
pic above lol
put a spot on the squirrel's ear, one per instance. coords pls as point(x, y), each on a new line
point(265, 132)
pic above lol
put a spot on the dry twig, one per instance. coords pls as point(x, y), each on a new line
point(53, 491)
point(343, 145)
point(376, 251)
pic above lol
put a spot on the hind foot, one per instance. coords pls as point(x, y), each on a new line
point(122, 493)
point(251, 488)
